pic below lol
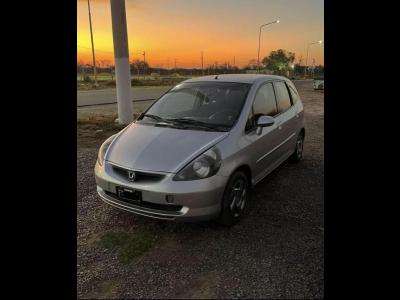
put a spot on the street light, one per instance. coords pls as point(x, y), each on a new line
point(259, 42)
point(308, 46)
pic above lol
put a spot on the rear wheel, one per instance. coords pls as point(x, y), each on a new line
point(298, 151)
point(234, 199)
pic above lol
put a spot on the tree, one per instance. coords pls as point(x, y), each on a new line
point(279, 61)
point(139, 66)
point(252, 64)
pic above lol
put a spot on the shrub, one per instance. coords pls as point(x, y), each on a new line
point(87, 78)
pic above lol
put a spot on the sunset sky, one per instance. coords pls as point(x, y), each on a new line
point(223, 29)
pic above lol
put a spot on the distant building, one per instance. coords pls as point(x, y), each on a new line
point(262, 71)
point(155, 75)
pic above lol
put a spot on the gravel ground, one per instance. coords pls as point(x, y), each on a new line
point(276, 251)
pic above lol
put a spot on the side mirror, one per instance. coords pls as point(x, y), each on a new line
point(265, 121)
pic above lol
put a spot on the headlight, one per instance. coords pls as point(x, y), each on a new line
point(103, 149)
point(204, 166)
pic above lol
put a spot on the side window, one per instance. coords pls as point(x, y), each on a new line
point(294, 94)
point(265, 103)
point(282, 95)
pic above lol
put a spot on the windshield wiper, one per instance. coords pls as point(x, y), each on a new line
point(180, 121)
point(167, 121)
point(154, 117)
point(197, 123)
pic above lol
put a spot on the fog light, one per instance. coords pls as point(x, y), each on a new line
point(169, 198)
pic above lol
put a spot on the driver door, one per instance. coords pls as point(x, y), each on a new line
point(262, 144)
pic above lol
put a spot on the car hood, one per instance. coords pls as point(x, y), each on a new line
point(163, 149)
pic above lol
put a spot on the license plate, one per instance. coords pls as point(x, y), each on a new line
point(129, 195)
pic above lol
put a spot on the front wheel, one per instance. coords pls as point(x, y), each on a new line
point(298, 151)
point(234, 199)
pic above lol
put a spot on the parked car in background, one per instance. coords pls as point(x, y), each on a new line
point(195, 153)
point(319, 83)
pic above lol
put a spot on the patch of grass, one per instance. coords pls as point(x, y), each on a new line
point(99, 120)
point(94, 128)
point(105, 82)
point(126, 245)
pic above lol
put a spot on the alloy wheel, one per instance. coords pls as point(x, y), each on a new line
point(299, 147)
point(238, 197)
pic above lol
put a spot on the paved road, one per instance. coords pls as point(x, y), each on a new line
point(97, 102)
point(107, 96)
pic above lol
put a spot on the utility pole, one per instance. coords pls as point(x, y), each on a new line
point(122, 67)
point(308, 46)
point(175, 65)
point(202, 65)
point(234, 61)
point(300, 63)
point(305, 69)
point(168, 66)
point(91, 38)
point(313, 67)
point(144, 64)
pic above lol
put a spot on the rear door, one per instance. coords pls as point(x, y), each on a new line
point(285, 120)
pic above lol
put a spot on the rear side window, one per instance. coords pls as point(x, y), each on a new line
point(294, 94)
point(282, 95)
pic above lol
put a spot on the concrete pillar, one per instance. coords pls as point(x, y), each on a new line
point(122, 67)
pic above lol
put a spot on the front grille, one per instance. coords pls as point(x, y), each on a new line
point(145, 204)
point(142, 177)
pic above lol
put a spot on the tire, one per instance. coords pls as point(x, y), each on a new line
point(233, 206)
point(298, 151)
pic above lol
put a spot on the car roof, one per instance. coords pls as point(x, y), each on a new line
point(241, 78)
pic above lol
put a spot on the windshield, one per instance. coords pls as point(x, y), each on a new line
point(201, 103)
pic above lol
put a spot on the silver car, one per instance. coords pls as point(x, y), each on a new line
point(195, 153)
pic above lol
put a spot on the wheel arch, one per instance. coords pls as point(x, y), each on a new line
point(246, 170)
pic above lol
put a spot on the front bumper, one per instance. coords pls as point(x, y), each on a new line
point(195, 200)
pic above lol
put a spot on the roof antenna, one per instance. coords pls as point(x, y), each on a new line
point(216, 77)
